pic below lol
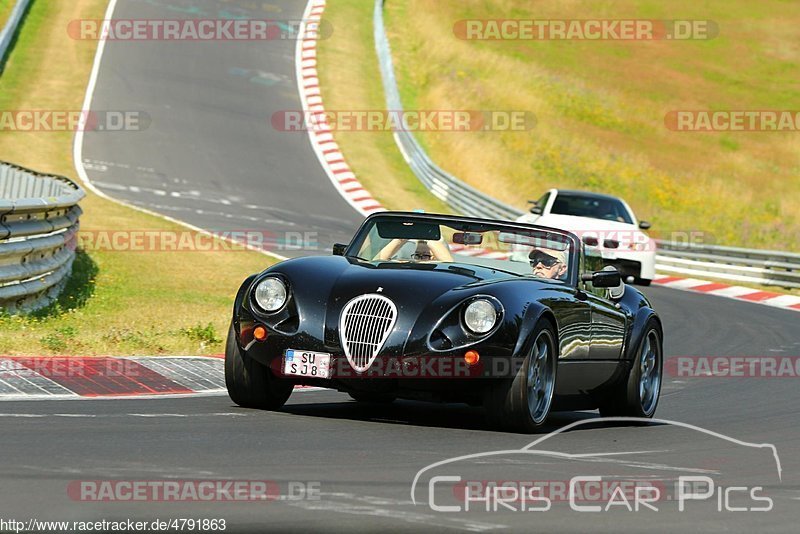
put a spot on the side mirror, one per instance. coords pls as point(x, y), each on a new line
point(603, 278)
point(536, 209)
point(644, 225)
point(616, 292)
point(338, 249)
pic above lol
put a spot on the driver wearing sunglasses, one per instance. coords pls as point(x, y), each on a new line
point(548, 263)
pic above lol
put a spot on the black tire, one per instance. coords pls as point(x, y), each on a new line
point(642, 281)
point(626, 398)
point(372, 397)
point(507, 400)
point(251, 384)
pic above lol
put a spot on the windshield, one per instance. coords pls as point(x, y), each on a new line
point(608, 209)
point(521, 251)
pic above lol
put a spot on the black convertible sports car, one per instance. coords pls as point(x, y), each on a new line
point(455, 309)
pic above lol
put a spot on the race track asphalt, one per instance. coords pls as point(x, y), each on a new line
point(362, 459)
point(210, 143)
point(209, 155)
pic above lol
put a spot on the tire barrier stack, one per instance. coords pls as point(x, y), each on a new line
point(38, 236)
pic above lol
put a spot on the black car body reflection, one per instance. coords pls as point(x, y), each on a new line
point(410, 317)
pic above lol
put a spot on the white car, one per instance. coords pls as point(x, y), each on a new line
point(607, 226)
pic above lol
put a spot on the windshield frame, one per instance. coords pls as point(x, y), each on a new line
point(467, 224)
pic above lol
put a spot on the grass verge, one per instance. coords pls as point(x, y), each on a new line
point(5, 11)
point(600, 108)
point(116, 303)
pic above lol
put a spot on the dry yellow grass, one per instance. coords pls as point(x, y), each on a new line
point(601, 105)
point(120, 302)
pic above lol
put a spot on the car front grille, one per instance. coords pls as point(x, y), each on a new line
point(364, 325)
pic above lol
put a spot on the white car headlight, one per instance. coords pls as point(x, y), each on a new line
point(271, 294)
point(480, 316)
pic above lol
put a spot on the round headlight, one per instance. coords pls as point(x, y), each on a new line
point(480, 316)
point(270, 294)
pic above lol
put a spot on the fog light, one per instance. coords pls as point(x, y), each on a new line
point(472, 357)
point(260, 333)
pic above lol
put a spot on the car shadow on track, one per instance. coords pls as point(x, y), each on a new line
point(455, 416)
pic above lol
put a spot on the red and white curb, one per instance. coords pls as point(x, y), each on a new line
point(321, 134)
point(74, 377)
point(747, 294)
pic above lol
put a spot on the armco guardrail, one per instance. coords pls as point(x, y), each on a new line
point(38, 236)
point(10, 28)
point(728, 263)
point(448, 188)
point(765, 267)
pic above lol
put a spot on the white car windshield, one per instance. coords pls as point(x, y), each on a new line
point(592, 206)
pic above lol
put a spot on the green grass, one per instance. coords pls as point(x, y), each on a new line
point(600, 109)
point(5, 11)
point(115, 302)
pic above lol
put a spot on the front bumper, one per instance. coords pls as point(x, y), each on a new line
point(393, 363)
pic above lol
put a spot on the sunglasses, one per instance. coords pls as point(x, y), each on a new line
point(421, 257)
point(545, 259)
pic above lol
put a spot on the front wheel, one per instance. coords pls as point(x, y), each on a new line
point(522, 403)
point(251, 384)
point(638, 395)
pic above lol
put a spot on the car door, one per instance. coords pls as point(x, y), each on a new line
point(608, 321)
point(608, 329)
point(575, 325)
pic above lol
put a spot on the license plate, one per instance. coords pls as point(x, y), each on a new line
point(306, 363)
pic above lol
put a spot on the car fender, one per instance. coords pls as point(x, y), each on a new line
point(238, 302)
point(534, 312)
point(643, 315)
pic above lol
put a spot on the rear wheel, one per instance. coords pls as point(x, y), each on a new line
point(638, 395)
point(522, 403)
point(372, 397)
point(251, 384)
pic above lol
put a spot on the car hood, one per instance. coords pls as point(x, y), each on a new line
point(321, 286)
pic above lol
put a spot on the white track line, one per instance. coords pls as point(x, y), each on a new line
point(77, 148)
